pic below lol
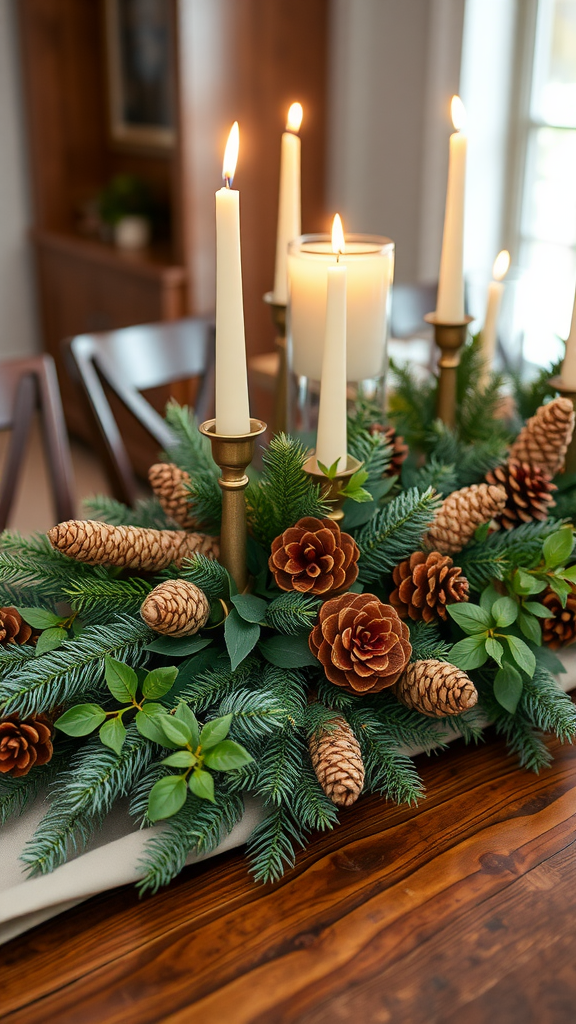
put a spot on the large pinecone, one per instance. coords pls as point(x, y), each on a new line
point(436, 689)
point(560, 629)
point(176, 608)
point(528, 492)
point(337, 761)
point(24, 744)
point(362, 644)
point(170, 485)
point(396, 443)
point(13, 629)
point(425, 584)
point(314, 557)
point(132, 547)
point(461, 513)
point(544, 440)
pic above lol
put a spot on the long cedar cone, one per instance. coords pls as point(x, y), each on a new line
point(24, 744)
point(397, 444)
point(337, 761)
point(528, 492)
point(13, 629)
point(170, 485)
point(461, 513)
point(560, 629)
point(544, 439)
point(425, 584)
point(436, 688)
point(131, 547)
point(176, 608)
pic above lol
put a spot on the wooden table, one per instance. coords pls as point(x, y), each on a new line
point(460, 910)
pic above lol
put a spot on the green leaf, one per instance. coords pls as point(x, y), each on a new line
point(166, 797)
point(494, 650)
point(113, 734)
point(469, 653)
point(522, 654)
point(470, 617)
point(508, 687)
point(174, 730)
point(288, 651)
point(524, 583)
point(50, 639)
point(488, 597)
point(249, 607)
point(184, 714)
point(121, 680)
point(561, 589)
point(159, 681)
point(504, 612)
point(481, 533)
point(241, 637)
point(202, 785)
point(331, 471)
point(570, 574)
point(215, 731)
point(39, 618)
point(180, 759)
point(530, 627)
point(177, 646)
point(550, 661)
point(557, 548)
point(535, 608)
point(148, 725)
point(81, 719)
point(227, 755)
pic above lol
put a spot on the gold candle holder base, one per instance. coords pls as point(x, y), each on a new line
point(449, 339)
point(233, 454)
point(278, 311)
point(331, 490)
point(570, 462)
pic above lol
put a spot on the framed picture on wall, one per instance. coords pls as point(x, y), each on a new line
point(140, 47)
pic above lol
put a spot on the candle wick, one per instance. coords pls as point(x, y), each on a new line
point(227, 181)
point(337, 257)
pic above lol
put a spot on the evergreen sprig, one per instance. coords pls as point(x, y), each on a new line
point(292, 612)
point(496, 555)
point(191, 451)
point(207, 574)
point(147, 512)
point(394, 532)
point(273, 843)
point(284, 493)
point(102, 596)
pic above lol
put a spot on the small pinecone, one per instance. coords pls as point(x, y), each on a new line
point(131, 547)
point(528, 492)
point(337, 761)
point(13, 629)
point(425, 584)
point(176, 608)
point(24, 744)
point(314, 557)
point(436, 688)
point(560, 629)
point(397, 444)
point(169, 484)
point(544, 439)
point(461, 513)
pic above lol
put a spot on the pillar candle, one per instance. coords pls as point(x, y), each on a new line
point(232, 408)
point(488, 335)
point(450, 304)
point(331, 443)
point(289, 218)
point(569, 364)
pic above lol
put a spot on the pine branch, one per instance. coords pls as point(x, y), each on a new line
point(280, 766)
point(192, 452)
point(32, 572)
point(394, 532)
point(471, 460)
point(443, 478)
point(547, 707)
point(412, 405)
point(17, 793)
point(257, 714)
point(214, 684)
point(529, 396)
point(427, 642)
point(521, 737)
point(387, 771)
point(272, 845)
point(147, 512)
point(207, 574)
point(103, 596)
point(310, 805)
point(504, 550)
point(292, 613)
point(285, 493)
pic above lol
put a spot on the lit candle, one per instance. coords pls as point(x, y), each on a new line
point(331, 443)
point(569, 365)
point(450, 304)
point(495, 292)
point(289, 219)
point(232, 408)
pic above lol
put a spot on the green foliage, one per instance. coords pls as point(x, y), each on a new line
point(412, 405)
point(147, 512)
point(32, 572)
point(521, 737)
point(272, 845)
point(499, 553)
point(427, 642)
point(292, 613)
point(547, 707)
point(530, 395)
point(471, 459)
point(101, 596)
point(443, 478)
point(394, 532)
point(284, 494)
point(388, 770)
point(207, 574)
point(191, 451)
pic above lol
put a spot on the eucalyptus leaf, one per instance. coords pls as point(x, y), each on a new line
point(180, 759)
point(535, 608)
point(494, 650)
point(504, 612)
point(175, 730)
point(167, 796)
point(557, 548)
point(523, 656)
point(249, 607)
point(241, 637)
point(178, 646)
point(186, 715)
point(149, 725)
point(40, 618)
point(81, 719)
point(561, 588)
point(530, 627)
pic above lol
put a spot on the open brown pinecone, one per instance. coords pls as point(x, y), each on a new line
point(24, 744)
point(337, 761)
point(13, 629)
point(170, 485)
point(362, 644)
point(560, 629)
point(132, 547)
point(397, 444)
point(436, 688)
point(544, 439)
point(528, 492)
point(425, 584)
point(314, 557)
point(461, 513)
point(176, 608)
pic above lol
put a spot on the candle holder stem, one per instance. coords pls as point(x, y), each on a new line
point(570, 461)
point(331, 490)
point(278, 311)
point(449, 339)
point(233, 454)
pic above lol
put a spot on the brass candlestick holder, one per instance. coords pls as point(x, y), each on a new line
point(331, 490)
point(278, 311)
point(570, 463)
point(449, 339)
point(233, 453)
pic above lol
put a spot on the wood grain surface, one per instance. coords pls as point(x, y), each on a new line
point(460, 910)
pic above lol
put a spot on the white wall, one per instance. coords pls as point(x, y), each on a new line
point(18, 331)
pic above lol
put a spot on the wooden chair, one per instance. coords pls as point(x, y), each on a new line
point(25, 386)
point(131, 360)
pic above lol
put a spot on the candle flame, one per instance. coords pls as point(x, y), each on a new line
point(501, 265)
point(231, 154)
point(294, 119)
point(338, 244)
point(458, 111)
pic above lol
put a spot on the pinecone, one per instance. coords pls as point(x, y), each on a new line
point(560, 629)
point(314, 557)
point(396, 443)
point(436, 689)
point(24, 744)
point(544, 439)
point(528, 492)
point(13, 629)
point(131, 547)
point(176, 608)
point(362, 644)
point(425, 584)
point(337, 761)
point(169, 484)
point(461, 513)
